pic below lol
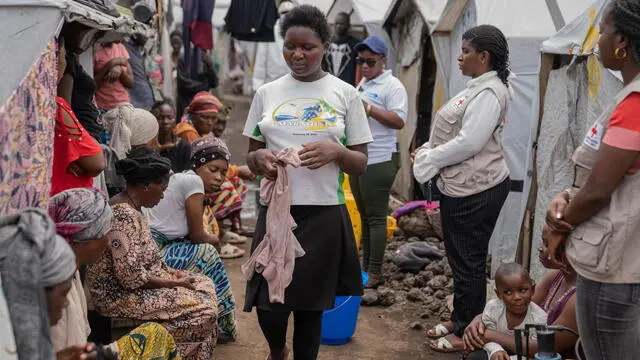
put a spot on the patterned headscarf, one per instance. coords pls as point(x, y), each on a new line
point(203, 102)
point(208, 148)
point(81, 215)
point(32, 258)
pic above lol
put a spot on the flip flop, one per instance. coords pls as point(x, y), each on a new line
point(229, 251)
point(443, 345)
point(233, 238)
point(437, 332)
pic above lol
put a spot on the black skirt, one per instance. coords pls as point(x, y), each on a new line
point(329, 268)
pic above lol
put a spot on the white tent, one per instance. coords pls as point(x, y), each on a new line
point(574, 94)
point(526, 24)
point(365, 13)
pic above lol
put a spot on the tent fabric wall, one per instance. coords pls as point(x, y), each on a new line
point(410, 77)
point(28, 29)
point(409, 39)
point(26, 136)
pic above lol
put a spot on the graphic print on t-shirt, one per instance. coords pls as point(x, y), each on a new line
point(305, 113)
point(340, 57)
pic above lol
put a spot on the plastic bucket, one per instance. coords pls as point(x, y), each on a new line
point(339, 323)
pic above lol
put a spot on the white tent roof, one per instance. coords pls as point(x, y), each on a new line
point(29, 25)
point(516, 18)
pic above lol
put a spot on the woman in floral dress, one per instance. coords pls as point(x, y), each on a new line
point(132, 281)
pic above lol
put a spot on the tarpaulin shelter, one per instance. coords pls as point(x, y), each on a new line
point(27, 92)
point(526, 24)
point(408, 24)
point(574, 90)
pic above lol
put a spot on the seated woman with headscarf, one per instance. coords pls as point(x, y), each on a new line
point(83, 217)
point(128, 128)
point(37, 267)
point(187, 230)
point(200, 119)
point(132, 281)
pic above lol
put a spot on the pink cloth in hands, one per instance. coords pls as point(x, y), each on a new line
point(275, 256)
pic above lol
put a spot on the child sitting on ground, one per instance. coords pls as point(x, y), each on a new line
point(513, 309)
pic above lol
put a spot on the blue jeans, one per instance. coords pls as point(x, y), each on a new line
point(608, 319)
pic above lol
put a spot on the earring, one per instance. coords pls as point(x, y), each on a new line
point(620, 53)
point(146, 188)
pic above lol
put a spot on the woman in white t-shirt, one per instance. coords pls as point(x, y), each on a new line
point(179, 225)
point(322, 117)
point(385, 101)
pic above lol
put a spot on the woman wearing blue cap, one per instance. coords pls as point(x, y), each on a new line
point(385, 101)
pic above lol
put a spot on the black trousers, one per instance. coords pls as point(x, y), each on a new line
point(306, 332)
point(467, 224)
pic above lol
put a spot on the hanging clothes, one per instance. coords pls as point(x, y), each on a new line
point(252, 20)
point(197, 32)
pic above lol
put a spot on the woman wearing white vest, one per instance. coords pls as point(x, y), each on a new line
point(385, 101)
point(465, 150)
point(597, 221)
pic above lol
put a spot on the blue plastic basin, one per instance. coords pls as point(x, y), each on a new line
point(339, 323)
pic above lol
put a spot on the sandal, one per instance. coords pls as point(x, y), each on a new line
point(233, 238)
point(229, 251)
point(438, 331)
point(443, 345)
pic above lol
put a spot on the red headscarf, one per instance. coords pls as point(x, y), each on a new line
point(204, 102)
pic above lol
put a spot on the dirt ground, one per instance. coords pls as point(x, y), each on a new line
point(381, 334)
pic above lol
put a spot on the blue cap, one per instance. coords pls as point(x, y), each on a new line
point(374, 43)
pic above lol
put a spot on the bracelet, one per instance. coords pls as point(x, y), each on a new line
point(368, 109)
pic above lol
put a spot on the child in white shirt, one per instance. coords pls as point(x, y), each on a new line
point(513, 309)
